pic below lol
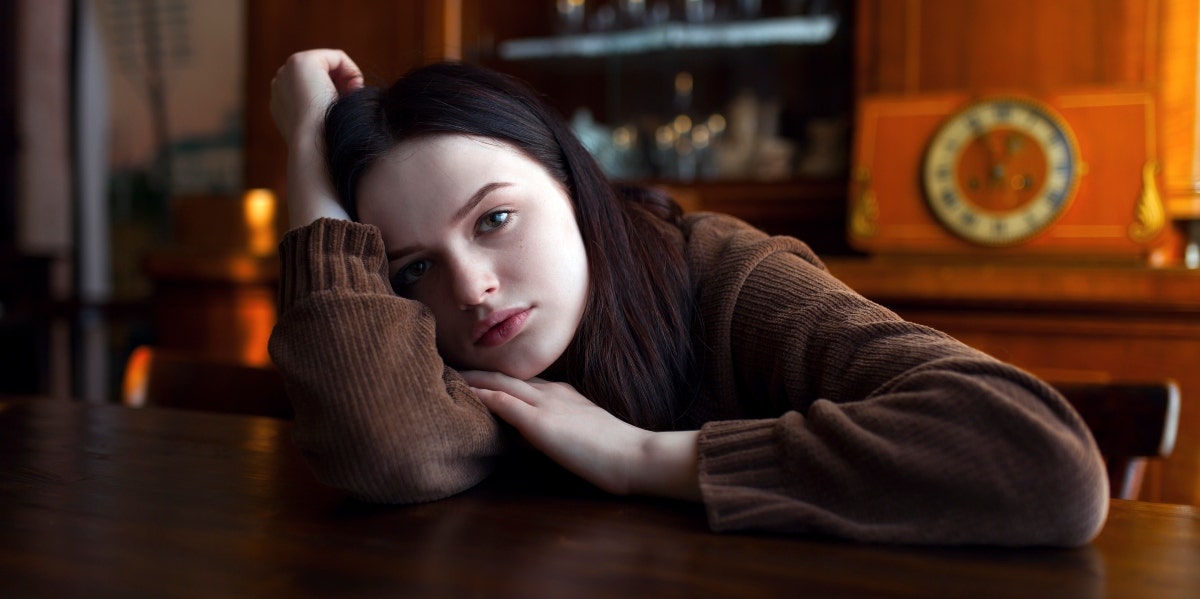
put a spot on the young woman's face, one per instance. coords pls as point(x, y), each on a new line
point(483, 236)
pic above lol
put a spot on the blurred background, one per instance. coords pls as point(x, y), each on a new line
point(142, 182)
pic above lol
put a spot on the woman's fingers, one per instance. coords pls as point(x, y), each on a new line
point(497, 381)
point(507, 407)
point(346, 75)
point(336, 65)
point(305, 86)
point(502, 395)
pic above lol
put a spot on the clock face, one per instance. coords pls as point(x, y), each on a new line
point(1001, 170)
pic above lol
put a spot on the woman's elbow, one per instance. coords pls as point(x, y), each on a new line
point(1067, 499)
point(1078, 502)
point(396, 473)
point(421, 477)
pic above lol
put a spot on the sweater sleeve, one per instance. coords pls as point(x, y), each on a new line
point(377, 413)
point(864, 426)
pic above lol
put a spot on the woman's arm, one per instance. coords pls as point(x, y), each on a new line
point(302, 90)
point(377, 412)
point(857, 424)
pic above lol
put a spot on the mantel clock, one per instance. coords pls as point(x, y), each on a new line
point(1007, 174)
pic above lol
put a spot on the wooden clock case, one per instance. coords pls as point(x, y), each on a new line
point(1115, 211)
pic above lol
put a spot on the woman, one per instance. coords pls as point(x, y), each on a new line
point(650, 353)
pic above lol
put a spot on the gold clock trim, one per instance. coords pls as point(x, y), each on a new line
point(951, 206)
point(1149, 215)
point(864, 213)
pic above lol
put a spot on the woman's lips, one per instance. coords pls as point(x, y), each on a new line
point(500, 326)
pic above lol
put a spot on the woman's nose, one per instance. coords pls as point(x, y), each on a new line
point(474, 280)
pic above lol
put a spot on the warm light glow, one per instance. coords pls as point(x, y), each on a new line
point(664, 137)
point(254, 316)
point(716, 124)
point(137, 377)
point(624, 137)
point(682, 124)
point(258, 206)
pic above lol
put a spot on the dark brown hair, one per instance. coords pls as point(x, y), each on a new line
point(632, 354)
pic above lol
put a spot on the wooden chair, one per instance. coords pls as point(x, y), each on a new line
point(1131, 423)
point(177, 379)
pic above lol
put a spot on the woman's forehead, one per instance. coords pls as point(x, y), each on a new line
point(438, 173)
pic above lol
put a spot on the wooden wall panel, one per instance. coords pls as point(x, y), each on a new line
point(919, 46)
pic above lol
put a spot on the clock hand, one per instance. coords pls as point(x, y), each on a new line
point(1013, 144)
point(996, 167)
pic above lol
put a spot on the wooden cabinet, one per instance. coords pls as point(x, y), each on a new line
point(738, 107)
point(1122, 73)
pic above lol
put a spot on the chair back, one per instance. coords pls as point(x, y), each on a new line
point(179, 379)
point(1131, 422)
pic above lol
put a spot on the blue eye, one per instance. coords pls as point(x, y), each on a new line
point(495, 220)
point(410, 274)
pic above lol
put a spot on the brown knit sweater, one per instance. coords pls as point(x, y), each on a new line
point(820, 412)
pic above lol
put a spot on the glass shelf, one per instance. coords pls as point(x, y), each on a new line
point(780, 31)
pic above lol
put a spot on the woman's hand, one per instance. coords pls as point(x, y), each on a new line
point(301, 92)
point(585, 439)
point(305, 86)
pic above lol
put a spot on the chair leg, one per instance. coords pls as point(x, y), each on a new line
point(1125, 477)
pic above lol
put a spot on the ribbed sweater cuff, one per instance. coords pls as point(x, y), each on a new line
point(331, 254)
point(738, 464)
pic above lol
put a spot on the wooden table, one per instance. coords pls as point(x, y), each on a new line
point(112, 501)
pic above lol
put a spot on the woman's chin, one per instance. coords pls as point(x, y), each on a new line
point(523, 370)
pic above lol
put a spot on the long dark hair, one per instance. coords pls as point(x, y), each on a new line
point(632, 354)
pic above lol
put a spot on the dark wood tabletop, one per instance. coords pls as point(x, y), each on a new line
point(100, 500)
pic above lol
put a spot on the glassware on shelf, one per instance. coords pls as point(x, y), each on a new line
point(660, 12)
point(748, 9)
point(571, 15)
point(631, 13)
point(699, 11)
point(697, 90)
point(603, 19)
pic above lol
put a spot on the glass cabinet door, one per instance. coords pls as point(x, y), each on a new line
point(685, 90)
point(740, 106)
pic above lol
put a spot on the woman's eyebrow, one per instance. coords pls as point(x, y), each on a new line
point(475, 199)
point(462, 213)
